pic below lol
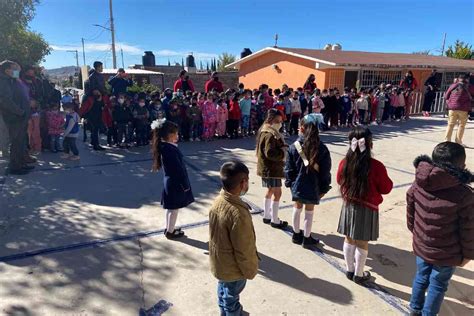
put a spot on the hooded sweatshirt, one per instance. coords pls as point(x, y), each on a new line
point(440, 213)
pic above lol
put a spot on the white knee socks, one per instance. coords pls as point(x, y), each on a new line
point(267, 207)
point(349, 251)
point(171, 217)
point(360, 258)
point(296, 219)
point(308, 223)
point(275, 209)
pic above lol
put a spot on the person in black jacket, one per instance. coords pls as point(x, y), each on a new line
point(430, 93)
point(96, 80)
point(308, 174)
point(123, 118)
point(120, 82)
point(14, 107)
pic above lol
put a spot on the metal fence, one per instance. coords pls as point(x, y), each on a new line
point(438, 106)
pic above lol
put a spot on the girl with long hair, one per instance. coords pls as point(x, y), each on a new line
point(271, 149)
point(363, 180)
point(177, 191)
point(308, 174)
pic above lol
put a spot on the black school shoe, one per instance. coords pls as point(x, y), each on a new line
point(267, 221)
point(298, 238)
point(177, 233)
point(350, 275)
point(363, 279)
point(281, 225)
point(310, 242)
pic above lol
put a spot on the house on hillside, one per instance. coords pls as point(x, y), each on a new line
point(276, 66)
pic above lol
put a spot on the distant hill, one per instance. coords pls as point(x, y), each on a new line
point(63, 72)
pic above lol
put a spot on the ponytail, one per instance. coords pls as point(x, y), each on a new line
point(161, 131)
point(311, 139)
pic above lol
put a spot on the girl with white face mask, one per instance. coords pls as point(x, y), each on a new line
point(271, 150)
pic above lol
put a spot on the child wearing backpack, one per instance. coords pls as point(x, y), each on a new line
point(71, 132)
point(362, 180)
point(177, 191)
point(308, 174)
point(440, 206)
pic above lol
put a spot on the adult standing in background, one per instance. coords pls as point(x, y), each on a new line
point(310, 84)
point(213, 84)
point(430, 93)
point(183, 83)
point(458, 100)
point(14, 108)
point(96, 79)
point(408, 84)
point(120, 82)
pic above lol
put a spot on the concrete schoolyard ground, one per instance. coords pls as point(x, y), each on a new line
point(86, 238)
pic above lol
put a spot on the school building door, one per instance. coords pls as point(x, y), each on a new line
point(350, 79)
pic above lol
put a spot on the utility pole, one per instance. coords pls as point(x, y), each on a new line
point(77, 57)
point(442, 46)
point(83, 52)
point(121, 53)
point(112, 30)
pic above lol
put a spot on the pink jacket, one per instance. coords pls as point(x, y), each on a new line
point(209, 112)
point(222, 113)
point(55, 123)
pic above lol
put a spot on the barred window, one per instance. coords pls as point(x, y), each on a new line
point(448, 79)
point(371, 78)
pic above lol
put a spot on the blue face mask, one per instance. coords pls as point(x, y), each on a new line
point(16, 74)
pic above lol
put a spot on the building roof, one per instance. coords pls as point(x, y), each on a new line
point(341, 58)
point(132, 71)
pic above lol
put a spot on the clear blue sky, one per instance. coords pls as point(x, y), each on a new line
point(209, 27)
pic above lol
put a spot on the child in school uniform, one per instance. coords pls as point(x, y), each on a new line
point(177, 192)
point(232, 242)
point(440, 206)
point(295, 113)
point(196, 120)
point(362, 180)
point(308, 174)
point(245, 105)
point(234, 116)
point(71, 132)
point(222, 117)
point(271, 150)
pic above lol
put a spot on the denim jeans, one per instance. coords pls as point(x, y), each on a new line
point(55, 143)
point(228, 294)
point(433, 278)
point(69, 145)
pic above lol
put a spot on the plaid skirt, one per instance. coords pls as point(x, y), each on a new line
point(358, 222)
point(271, 183)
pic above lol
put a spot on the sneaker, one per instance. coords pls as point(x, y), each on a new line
point(197, 139)
point(363, 279)
point(281, 225)
point(298, 238)
point(350, 275)
point(309, 242)
point(65, 156)
point(75, 157)
point(191, 140)
point(28, 167)
point(415, 313)
point(267, 221)
point(177, 233)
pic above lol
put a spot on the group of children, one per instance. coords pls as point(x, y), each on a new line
point(49, 128)
point(439, 211)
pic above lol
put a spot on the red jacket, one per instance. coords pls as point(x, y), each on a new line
point(216, 85)
point(106, 112)
point(234, 111)
point(440, 213)
point(458, 99)
point(178, 85)
point(379, 183)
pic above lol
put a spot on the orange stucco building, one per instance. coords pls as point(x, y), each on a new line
point(276, 66)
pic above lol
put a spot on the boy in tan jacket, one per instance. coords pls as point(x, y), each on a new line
point(232, 247)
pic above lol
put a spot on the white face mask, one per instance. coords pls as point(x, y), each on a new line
point(16, 74)
point(141, 104)
point(277, 126)
point(120, 101)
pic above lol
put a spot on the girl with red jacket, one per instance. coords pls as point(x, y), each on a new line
point(234, 116)
point(362, 181)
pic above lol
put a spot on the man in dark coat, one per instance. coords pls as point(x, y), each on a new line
point(14, 107)
point(96, 79)
point(120, 82)
point(93, 110)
